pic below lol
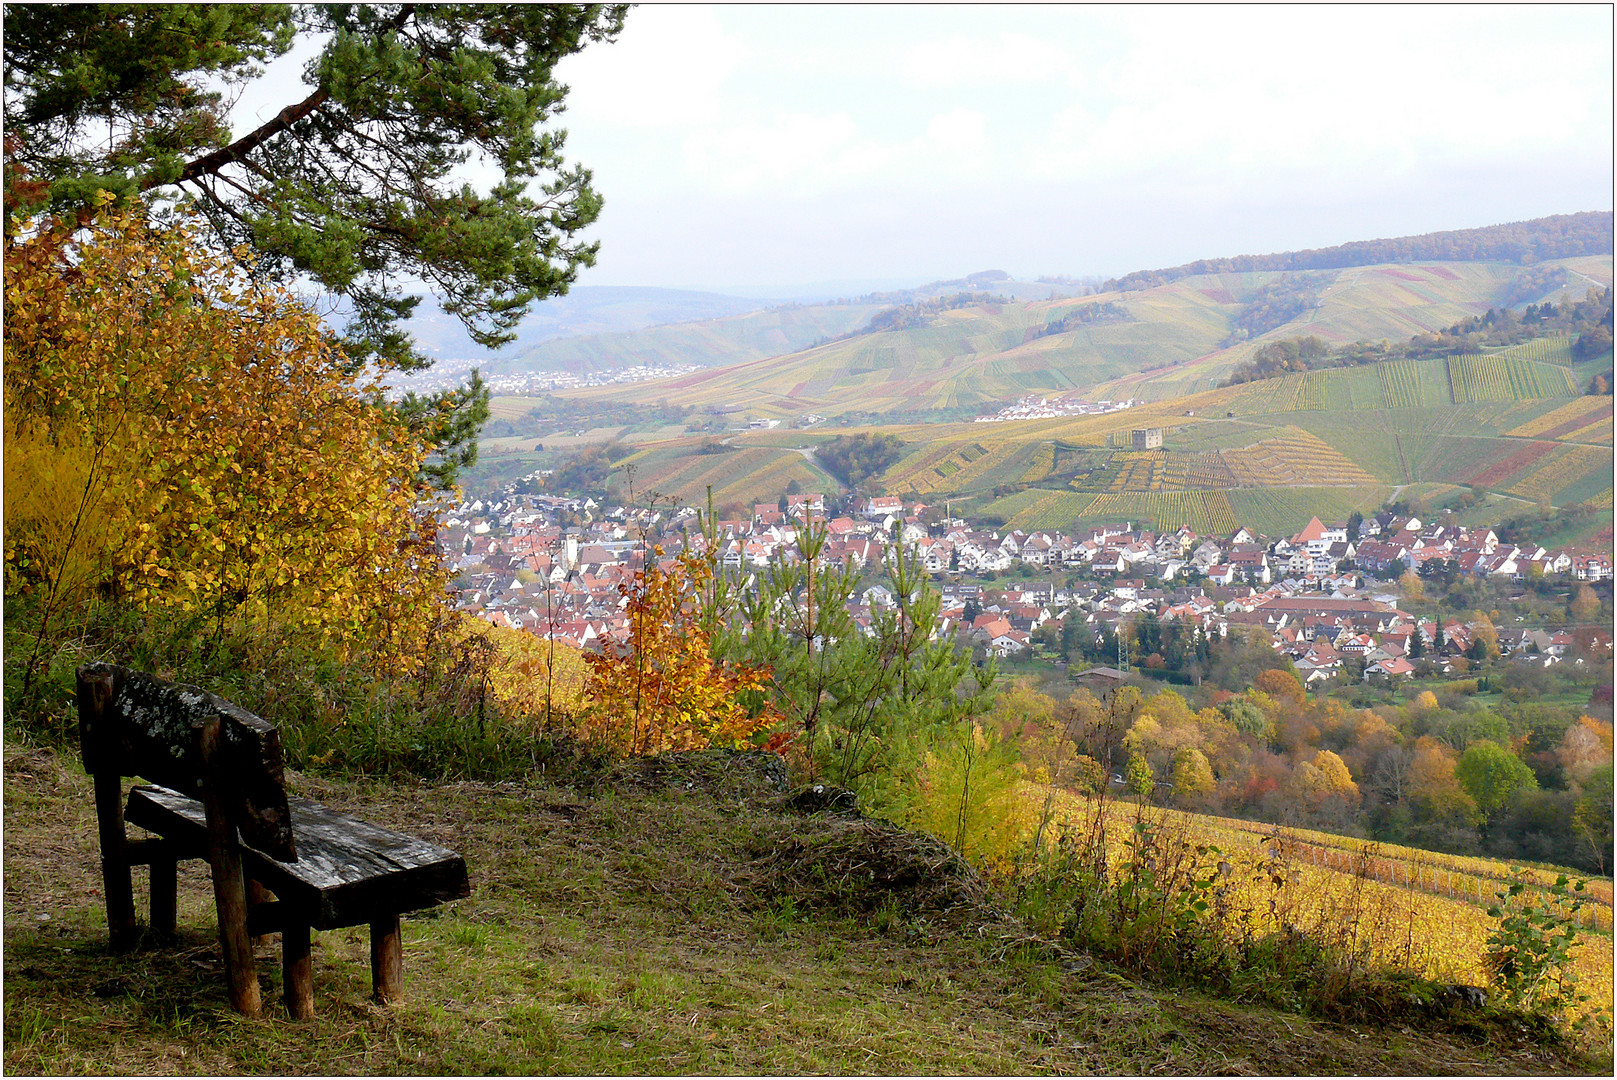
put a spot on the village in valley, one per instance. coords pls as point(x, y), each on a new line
point(1328, 597)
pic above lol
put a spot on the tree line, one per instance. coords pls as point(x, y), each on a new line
point(1523, 242)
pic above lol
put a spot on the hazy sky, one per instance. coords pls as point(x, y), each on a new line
point(779, 145)
point(763, 147)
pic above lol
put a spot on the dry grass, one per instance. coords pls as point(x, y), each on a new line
point(670, 917)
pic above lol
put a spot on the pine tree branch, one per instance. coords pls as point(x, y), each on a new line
point(210, 164)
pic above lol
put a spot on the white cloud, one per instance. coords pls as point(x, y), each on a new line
point(1006, 58)
point(1272, 117)
point(669, 67)
point(793, 153)
point(959, 131)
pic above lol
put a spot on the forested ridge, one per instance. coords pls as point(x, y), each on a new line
point(1524, 242)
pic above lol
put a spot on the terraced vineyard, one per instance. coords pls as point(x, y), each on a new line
point(1546, 350)
point(1568, 474)
point(1203, 511)
point(1138, 471)
point(743, 475)
point(1038, 508)
point(1279, 511)
point(1503, 377)
point(1409, 384)
point(1043, 463)
point(1413, 384)
point(1296, 458)
point(1503, 472)
point(1575, 421)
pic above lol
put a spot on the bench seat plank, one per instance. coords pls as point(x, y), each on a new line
point(347, 872)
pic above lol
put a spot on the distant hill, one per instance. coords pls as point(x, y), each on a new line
point(1521, 242)
point(734, 339)
point(1492, 433)
point(950, 361)
point(1504, 428)
point(747, 334)
point(585, 310)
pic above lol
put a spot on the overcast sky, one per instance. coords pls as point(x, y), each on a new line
point(759, 148)
point(771, 146)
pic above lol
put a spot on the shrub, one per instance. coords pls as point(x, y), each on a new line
point(1530, 952)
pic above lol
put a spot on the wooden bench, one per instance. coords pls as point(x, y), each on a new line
point(279, 863)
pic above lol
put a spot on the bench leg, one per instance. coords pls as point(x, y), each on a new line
point(257, 895)
point(297, 971)
point(116, 885)
point(165, 893)
point(230, 896)
point(229, 880)
point(387, 960)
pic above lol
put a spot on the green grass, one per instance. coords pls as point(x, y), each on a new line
point(663, 920)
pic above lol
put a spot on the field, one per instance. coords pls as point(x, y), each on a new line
point(1296, 458)
point(1167, 347)
point(1407, 384)
point(1548, 350)
point(1566, 475)
point(1510, 421)
point(1204, 511)
point(1401, 905)
point(1413, 384)
point(1284, 511)
point(1367, 303)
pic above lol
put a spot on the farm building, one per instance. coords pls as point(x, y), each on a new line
point(1147, 438)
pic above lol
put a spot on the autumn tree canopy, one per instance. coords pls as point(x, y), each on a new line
point(179, 436)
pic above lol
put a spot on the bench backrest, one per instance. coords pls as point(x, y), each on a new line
point(182, 737)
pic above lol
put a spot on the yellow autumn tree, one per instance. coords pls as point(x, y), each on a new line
point(180, 436)
point(662, 689)
point(969, 796)
point(529, 677)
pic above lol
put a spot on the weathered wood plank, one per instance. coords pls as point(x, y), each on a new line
point(165, 896)
point(348, 871)
point(134, 724)
point(116, 884)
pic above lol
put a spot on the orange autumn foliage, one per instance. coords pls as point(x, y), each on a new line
point(662, 689)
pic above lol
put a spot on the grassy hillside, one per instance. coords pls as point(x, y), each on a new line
point(1507, 424)
point(1157, 344)
point(744, 475)
point(1370, 303)
point(669, 918)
